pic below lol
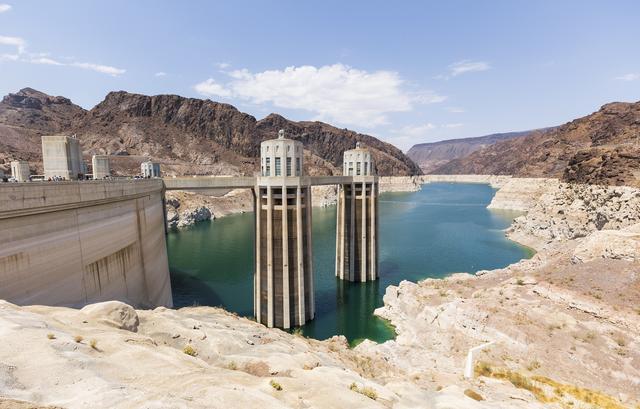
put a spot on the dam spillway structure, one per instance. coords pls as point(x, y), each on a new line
point(357, 218)
point(283, 279)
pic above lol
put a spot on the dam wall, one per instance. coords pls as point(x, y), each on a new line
point(75, 243)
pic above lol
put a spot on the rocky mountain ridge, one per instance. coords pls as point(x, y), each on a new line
point(187, 135)
point(600, 148)
point(430, 156)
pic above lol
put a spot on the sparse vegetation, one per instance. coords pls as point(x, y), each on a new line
point(520, 281)
point(275, 385)
point(232, 366)
point(473, 394)
point(547, 390)
point(51, 336)
point(78, 338)
point(189, 350)
point(533, 366)
point(298, 332)
point(94, 344)
point(368, 392)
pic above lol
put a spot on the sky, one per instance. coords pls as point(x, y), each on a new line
point(404, 71)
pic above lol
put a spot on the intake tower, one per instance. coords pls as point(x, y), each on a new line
point(283, 279)
point(357, 218)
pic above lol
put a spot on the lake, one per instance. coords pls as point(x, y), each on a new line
point(442, 229)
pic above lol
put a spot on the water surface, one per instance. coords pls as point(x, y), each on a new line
point(442, 229)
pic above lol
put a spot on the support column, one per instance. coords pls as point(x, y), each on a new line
point(300, 257)
point(352, 233)
point(257, 207)
point(374, 236)
point(269, 257)
point(363, 238)
point(286, 303)
point(312, 312)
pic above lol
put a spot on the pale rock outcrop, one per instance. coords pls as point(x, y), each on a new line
point(611, 244)
point(399, 183)
point(568, 211)
point(323, 196)
point(495, 181)
point(186, 208)
point(113, 313)
point(520, 194)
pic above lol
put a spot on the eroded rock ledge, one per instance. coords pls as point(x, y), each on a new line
point(567, 317)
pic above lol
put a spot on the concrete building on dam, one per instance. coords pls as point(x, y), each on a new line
point(20, 170)
point(101, 166)
point(357, 218)
point(62, 157)
point(283, 274)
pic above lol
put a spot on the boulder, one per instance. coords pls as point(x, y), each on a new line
point(113, 313)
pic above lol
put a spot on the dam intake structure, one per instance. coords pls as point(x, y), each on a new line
point(72, 243)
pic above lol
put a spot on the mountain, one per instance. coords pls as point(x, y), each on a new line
point(600, 148)
point(187, 135)
point(430, 156)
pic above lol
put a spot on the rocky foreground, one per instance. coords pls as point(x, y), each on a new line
point(565, 327)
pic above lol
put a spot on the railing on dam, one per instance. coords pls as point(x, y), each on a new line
point(20, 199)
point(237, 182)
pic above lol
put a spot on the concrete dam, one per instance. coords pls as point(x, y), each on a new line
point(73, 243)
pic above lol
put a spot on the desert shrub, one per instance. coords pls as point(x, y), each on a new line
point(473, 394)
point(189, 350)
point(275, 385)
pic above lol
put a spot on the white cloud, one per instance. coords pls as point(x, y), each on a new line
point(223, 65)
point(9, 57)
point(415, 130)
point(452, 125)
point(628, 77)
point(160, 74)
point(335, 93)
point(463, 67)
point(44, 60)
point(17, 42)
point(455, 110)
point(4, 7)
point(212, 89)
point(104, 69)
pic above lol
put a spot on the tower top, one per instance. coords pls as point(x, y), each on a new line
point(281, 134)
point(358, 145)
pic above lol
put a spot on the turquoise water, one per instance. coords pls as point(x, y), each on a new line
point(442, 229)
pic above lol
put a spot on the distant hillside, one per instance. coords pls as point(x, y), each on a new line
point(187, 135)
point(600, 148)
point(430, 156)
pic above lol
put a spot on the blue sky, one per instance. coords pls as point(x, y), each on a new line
point(406, 72)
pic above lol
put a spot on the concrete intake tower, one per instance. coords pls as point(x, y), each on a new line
point(283, 279)
point(357, 219)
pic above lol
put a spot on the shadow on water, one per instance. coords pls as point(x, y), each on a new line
point(444, 228)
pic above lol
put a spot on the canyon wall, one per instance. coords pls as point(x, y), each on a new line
point(74, 243)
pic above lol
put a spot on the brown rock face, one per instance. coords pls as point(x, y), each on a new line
point(601, 148)
point(187, 135)
point(430, 156)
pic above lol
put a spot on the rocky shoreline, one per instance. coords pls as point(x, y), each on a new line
point(564, 324)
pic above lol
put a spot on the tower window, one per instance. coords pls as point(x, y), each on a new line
point(350, 168)
point(358, 168)
point(298, 170)
point(366, 165)
point(268, 167)
point(288, 166)
point(278, 173)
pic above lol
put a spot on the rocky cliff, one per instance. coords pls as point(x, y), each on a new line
point(430, 156)
point(187, 135)
point(600, 148)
